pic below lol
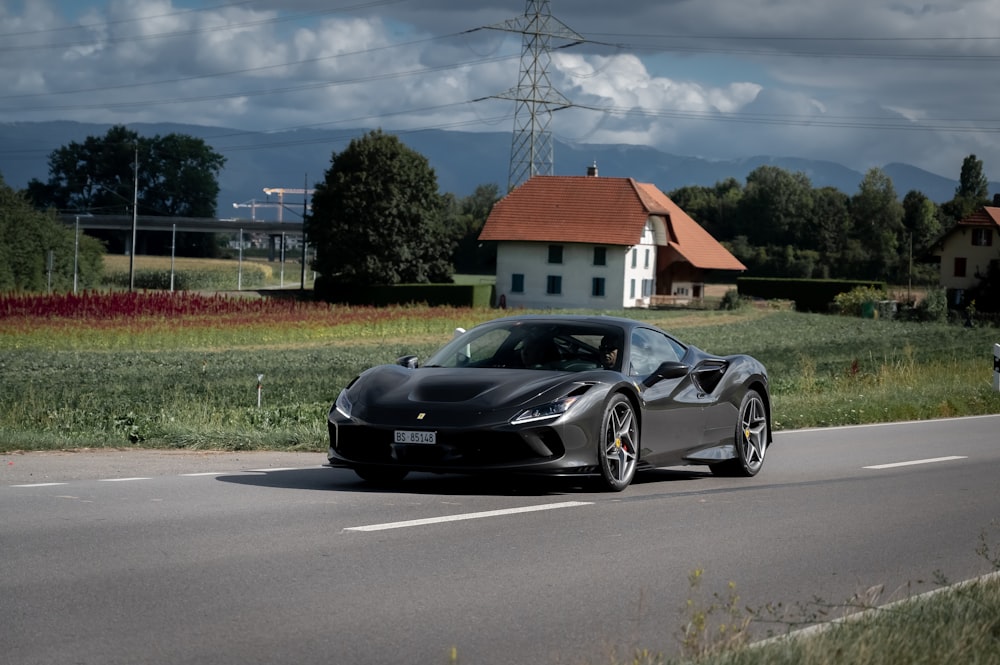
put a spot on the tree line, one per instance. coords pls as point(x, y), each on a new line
point(778, 224)
point(378, 217)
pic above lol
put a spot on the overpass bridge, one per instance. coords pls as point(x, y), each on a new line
point(186, 224)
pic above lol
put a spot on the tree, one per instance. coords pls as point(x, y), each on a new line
point(972, 183)
point(29, 237)
point(777, 208)
point(470, 213)
point(833, 232)
point(972, 191)
point(878, 220)
point(177, 176)
point(714, 208)
point(377, 218)
point(920, 219)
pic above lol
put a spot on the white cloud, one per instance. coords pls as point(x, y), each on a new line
point(864, 82)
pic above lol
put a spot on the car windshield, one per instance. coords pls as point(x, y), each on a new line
point(541, 345)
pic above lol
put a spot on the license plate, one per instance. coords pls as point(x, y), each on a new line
point(414, 436)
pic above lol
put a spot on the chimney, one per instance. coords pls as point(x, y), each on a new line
point(592, 170)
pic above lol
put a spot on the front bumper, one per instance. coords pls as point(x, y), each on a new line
point(559, 449)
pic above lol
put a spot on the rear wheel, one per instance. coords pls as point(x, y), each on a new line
point(380, 475)
point(750, 439)
point(618, 444)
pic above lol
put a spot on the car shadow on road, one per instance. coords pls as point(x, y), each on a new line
point(342, 480)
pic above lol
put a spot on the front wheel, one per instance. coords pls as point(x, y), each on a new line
point(618, 444)
point(750, 440)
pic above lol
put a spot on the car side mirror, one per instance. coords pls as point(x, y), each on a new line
point(670, 369)
point(409, 362)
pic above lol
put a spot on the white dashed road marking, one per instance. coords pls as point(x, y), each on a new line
point(915, 462)
point(39, 485)
point(468, 516)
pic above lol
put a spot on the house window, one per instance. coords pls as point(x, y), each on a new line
point(517, 283)
point(647, 288)
point(553, 285)
point(982, 237)
point(631, 289)
point(635, 257)
point(959, 266)
point(597, 287)
point(600, 256)
point(647, 258)
point(555, 253)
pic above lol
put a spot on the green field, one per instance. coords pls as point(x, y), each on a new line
point(187, 376)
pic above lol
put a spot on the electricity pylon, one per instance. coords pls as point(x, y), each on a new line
point(531, 151)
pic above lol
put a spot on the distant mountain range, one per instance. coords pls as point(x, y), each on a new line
point(461, 160)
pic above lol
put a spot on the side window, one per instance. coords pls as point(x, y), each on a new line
point(553, 284)
point(597, 287)
point(649, 349)
point(517, 283)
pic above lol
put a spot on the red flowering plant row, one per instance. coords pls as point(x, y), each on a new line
point(119, 305)
point(230, 319)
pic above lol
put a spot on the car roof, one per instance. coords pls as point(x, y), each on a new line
point(574, 318)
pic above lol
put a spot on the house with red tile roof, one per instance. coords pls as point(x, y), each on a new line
point(598, 243)
point(967, 249)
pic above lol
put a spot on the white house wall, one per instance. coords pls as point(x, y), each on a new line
point(977, 258)
point(577, 270)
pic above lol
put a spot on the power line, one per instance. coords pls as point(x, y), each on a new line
point(283, 18)
point(138, 19)
point(539, 97)
point(260, 92)
point(532, 150)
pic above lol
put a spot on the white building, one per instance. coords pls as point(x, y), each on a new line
point(967, 250)
point(598, 243)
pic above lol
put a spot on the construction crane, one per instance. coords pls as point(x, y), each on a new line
point(281, 191)
point(253, 204)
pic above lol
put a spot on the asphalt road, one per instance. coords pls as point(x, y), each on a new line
point(154, 557)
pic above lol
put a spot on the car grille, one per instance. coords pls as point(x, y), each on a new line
point(453, 450)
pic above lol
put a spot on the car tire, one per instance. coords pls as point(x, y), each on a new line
point(618, 444)
point(380, 475)
point(750, 439)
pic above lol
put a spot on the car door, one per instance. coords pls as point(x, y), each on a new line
point(674, 417)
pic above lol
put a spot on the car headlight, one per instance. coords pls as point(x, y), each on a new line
point(544, 411)
point(343, 404)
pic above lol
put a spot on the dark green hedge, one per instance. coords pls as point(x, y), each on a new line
point(435, 295)
point(190, 280)
point(809, 295)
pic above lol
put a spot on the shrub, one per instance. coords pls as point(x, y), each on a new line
point(732, 301)
point(934, 306)
point(852, 303)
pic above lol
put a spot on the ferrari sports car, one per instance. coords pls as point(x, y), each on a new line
point(594, 397)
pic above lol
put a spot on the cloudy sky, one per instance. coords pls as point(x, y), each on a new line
point(860, 82)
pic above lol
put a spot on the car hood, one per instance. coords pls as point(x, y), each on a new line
point(389, 391)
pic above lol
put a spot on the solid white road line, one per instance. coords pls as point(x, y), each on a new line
point(204, 473)
point(871, 612)
point(468, 516)
point(933, 460)
point(119, 480)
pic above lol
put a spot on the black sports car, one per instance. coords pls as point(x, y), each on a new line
point(561, 395)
